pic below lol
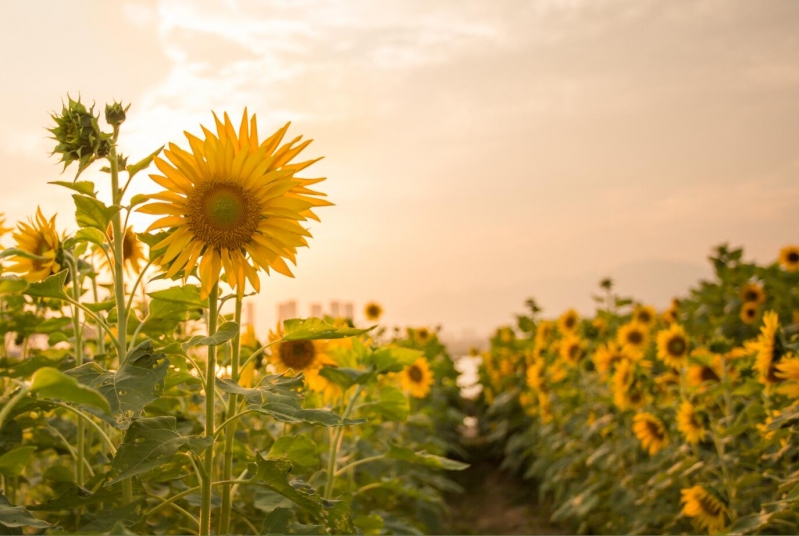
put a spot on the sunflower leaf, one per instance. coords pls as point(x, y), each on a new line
point(14, 461)
point(15, 517)
point(405, 454)
point(226, 331)
point(93, 213)
point(49, 382)
point(52, 287)
point(309, 329)
point(87, 234)
point(144, 163)
point(82, 187)
point(12, 285)
point(184, 295)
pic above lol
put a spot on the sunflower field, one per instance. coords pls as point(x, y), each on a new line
point(645, 422)
point(135, 399)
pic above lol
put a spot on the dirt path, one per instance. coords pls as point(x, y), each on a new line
point(497, 503)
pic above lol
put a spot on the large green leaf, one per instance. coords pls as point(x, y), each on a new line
point(185, 295)
point(13, 518)
point(298, 449)
point(273, 474)
point(83, 187)
point(138, 382)
point(226, 331)
point(88, 234)
point(73, 497)
point(392, 358)
point(405, 454)
point(93, 213)
point(283, 521)
point(144, 163)
point(309, 329)
point(48, 382)
point(149, 443)
point(13, 368)
point(392, 404)
point(52, 287)
point(14, 461)
point(277, 395)
point(12, 285)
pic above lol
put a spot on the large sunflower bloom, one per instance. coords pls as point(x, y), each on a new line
point(233, 204)
point(789, 258)
point(788, 370)
point(752, 293)
point(571, 349)
point(633, 335)
point(701, 504)
point(689, 424)
point(373, 311)
point(39, 238)
point(651, 432)
point(569, 321)
point(645, 314)
point(673, 346)
point(608, 356)
point(417, 378)
point(768, 355)
point(307, 357)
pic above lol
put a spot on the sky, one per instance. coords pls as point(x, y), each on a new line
point(478, 153)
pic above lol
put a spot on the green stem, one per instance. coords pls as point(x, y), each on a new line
point(111, 448)
point(80, 475)
point(210, 387)
point(359, 462)
point(234, 418)
point(227, 467)
point(11, 403)
point(334, 445)
point(135, 287)
point(100, 334)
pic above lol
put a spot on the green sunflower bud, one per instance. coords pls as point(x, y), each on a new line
point(115, 114)
point(78, 135)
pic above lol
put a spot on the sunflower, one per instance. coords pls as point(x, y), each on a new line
point(232, 204)
point(788, 370)
point(543, 332)
point(608, 356)
point(535, 376)
point(645, 314)
point(633, 336)
point(627, 392)
point(568, 321)
point(769, 354)
point(417, 378)
point(3, 228)
point(673, 346)
point(571, 349)
point(749, 312)
point(763, 428)
point(650, 431)
point(557, 372)
point(40, 239)
point(528, 401)
point(544, 408)
point(706, 507)
point(670, 314)
point(708, 370)
point(373, 311)
point(422, 335)
point(752, 293)
point(789, 258)
point(307, 357)
point(600, 324)
point(132, 251)
point(689, 424)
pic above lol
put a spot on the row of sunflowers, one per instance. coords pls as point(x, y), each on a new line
point(634, 421)
point(136, 400)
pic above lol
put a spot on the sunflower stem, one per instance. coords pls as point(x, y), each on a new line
point(210, 377)
point(119, 278)
point(335, 443)
point(81, 447)
point(227, 468)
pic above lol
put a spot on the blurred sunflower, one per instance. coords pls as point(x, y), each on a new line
point(571, 349)
point(706, 507)
point(544, 332)
point(626, 390)
point(421, 335)
point(633, 336)
point(608, 356)
point(689, 424)
point(763, 428)
point(528, 401)
point(373, 311)
point(673, 346)
point(417, 378)
point(38, 238)
point(769, 352)
point(670, 314)
point(789, 258)
point(535, 376)
point(132, 251)
point(568, 321)
point(307, 357)
point(752, 292)
point(3, 228)
point(600, 324)
point(788, 370)
point(233, 204)
point(645, 314)
point(650, 431)
point(544, 408)
point(557, 372)
point(749, 312)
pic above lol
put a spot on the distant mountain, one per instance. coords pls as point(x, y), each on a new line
point(484, 308)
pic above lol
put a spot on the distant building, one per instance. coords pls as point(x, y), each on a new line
point(316, 310)
point(334, 309)
point(348, 310)
point(286, 310)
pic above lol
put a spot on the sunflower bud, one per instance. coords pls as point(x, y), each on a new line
point(115, 113)
point(78, 135)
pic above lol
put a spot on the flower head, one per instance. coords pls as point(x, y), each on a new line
point(307, 357)
point(633, 335)
point(749, 312)
point(651, 432)
point(233, 203)
point(673, 346)
point(571, 349)
point(568, 321)
point(689, 424)
point(42, 253)
point(608, 356)
point(769, 349)
point(789, 258)
point(373, 311)
point(417, 378)
point(645, 314)
point(705, 507)
point(752, 293)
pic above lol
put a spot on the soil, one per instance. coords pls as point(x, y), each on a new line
point(496, 502)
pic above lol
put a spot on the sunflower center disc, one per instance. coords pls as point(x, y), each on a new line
point(415, 374)
point(676, 346)
point(793, 257)
point(297, 355)
point(635, 337)
point(223, 214)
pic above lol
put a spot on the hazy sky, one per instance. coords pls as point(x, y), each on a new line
point(478, 152)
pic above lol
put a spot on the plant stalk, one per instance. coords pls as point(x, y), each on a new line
point(233, 403)
point(80, 475)
point(210, 387)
